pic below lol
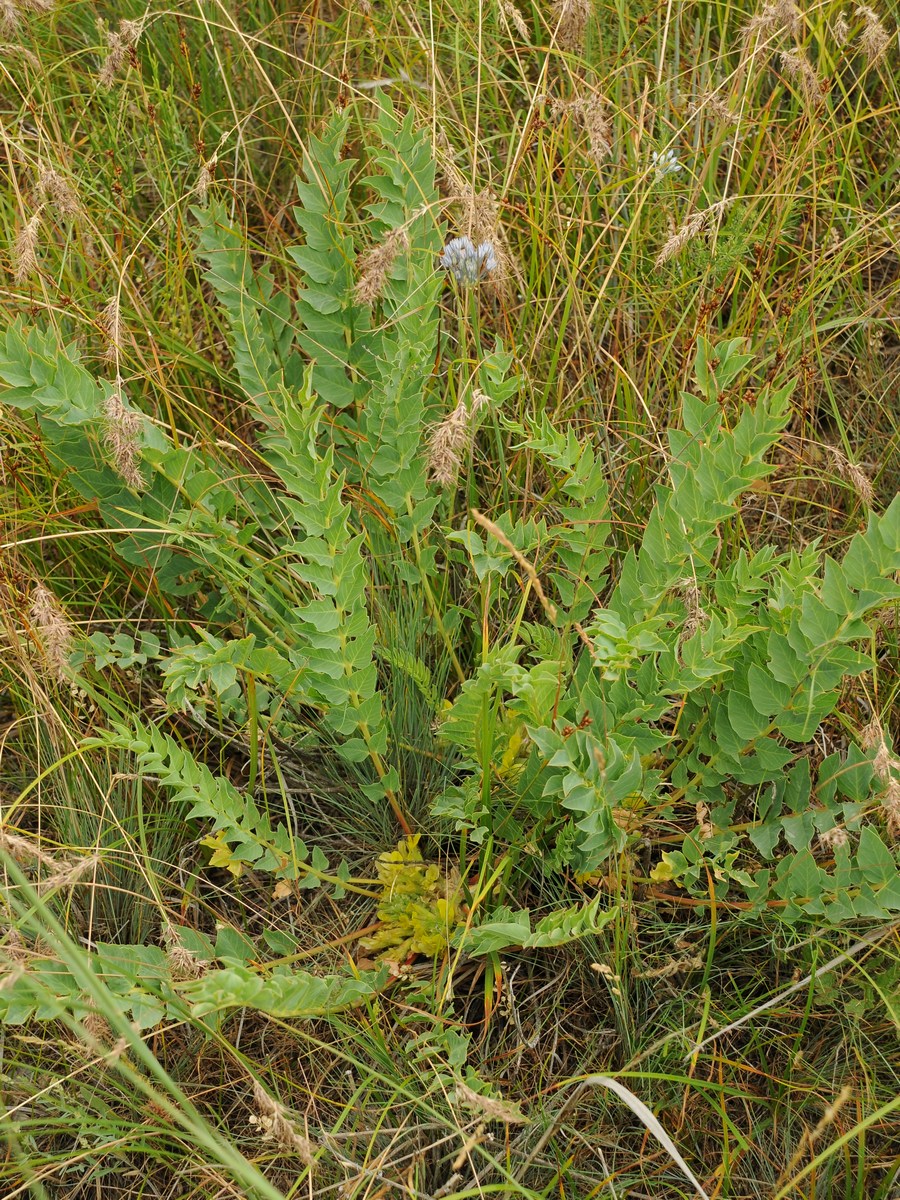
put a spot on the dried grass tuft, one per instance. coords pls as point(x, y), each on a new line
point(675, 966)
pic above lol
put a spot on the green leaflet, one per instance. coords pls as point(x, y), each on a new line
point(696, 686)
point(336, 332)
point(240, 824)
point(297, 994)
point(506, 928)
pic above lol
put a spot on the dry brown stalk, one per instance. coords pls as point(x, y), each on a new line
point(497, 532)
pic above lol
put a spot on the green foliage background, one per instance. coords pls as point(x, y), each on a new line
point(618, 685)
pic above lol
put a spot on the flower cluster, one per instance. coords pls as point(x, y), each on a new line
point(666, 163)
point(468, 263)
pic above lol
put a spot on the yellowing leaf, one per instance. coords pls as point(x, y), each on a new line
point(662, 872)
point(221, 854)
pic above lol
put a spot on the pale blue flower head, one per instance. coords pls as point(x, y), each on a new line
point(468, 263)
point(666, 163)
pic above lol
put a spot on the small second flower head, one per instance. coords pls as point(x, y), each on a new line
point(468, 263)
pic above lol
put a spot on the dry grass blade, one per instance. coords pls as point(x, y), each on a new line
point(640, 1110)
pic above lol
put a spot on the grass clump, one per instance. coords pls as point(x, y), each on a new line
point(449, 586)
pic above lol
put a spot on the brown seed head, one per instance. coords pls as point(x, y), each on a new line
point(853, 474)
point(874, 39)
point(122, 438)
point(374, 266)
point(58, 193)
point(120, 42)
point(572, 18)
point(890, 804)
point(24, 253)
point(111, 324)
point(798, 68)
point(276, 1125)
point(54, 631)
point(511, 14)
point(832, 838)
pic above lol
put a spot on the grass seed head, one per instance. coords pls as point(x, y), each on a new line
point(774, 19)
point(374, 266)
point(183, 963)
point(853, 474)
point(874, 39)
point(446, 445)
point(120, 42)
point(884, 764)
point(832, 839)
point(205, 178)
point(798, 68)
point(53, 629)
point(111, 324)
point(122, 434)
point(511, 14)
point(58, 193)
point(9, 16)
point(572, 18)
point(24, 251)
point(275, 1124)
point(890, 805)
